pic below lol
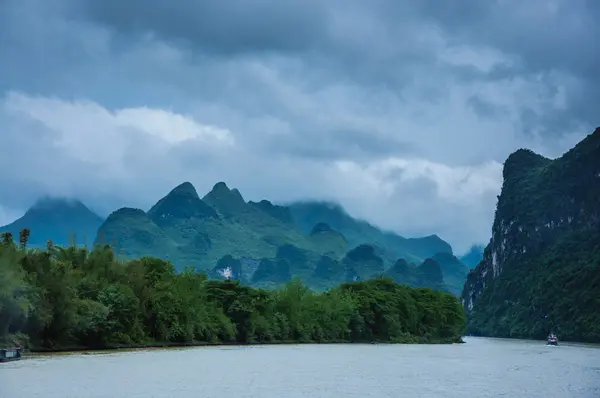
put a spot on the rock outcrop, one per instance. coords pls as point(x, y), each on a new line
point(545, 239)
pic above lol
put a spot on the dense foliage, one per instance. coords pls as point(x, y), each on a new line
point(541, 270)
point(555, 290)
point(67, 297)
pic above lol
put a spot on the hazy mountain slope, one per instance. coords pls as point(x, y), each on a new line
point(428, 274)
point(453, 270)
point(308, 214)
point(58, 219)
point(473, 256)
point(199, 231)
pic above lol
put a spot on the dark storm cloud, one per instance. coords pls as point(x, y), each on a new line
point(221, 27)
point(370, 41)
point(548, 36)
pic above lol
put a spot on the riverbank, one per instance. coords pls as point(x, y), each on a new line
point(148, 346)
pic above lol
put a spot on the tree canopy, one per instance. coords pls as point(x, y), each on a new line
point(73, 297)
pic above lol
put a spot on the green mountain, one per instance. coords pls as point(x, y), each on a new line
point(428, 274)
point(259, 242)
point(134, 234)
point(189, 230)
point(473, 256)
point(454, 271)
point(541, 270)
point(362, 262)
point(64, 221)
point(392, 246)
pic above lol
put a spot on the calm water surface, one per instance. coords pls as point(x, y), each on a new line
point(480, 368)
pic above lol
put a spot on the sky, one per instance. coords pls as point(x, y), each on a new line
point(401, 111)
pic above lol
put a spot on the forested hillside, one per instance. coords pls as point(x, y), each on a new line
point(541, 269)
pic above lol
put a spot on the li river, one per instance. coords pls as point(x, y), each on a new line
point(480, 368)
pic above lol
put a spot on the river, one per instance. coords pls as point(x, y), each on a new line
point(480, 368)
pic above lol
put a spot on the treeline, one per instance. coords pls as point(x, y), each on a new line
point(70, 297)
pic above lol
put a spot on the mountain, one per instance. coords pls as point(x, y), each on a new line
point(281, 213)
point(473, 256)
point(454, 271)
point(259, 242)
point(326, 236)
point(428, 274)
point(194, 231)
point(308, 214)
point(541, 269)
point(181, 203)
point(362, 262)
point(133, 233)
point(256, 242)
point(64, 221)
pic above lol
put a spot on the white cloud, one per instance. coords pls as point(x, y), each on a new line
point(171, 127)
point(422, 197)
point(8, 215)
point(80, 121)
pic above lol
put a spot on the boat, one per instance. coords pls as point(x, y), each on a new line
point(10, 354)
point(552, 339)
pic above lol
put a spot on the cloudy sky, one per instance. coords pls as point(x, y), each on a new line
point(402, 111)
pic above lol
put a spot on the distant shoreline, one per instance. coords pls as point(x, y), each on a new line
point(136, 347)
point(560, 342)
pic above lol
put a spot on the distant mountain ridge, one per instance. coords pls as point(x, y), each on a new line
point(261, 242)
point(62, 220)
point(473, 256)
point(224, 215)
point(307, 214)
point(454, 271)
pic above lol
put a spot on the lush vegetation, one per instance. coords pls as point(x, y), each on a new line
point(541, 270)
point(556, 290)
point(72, 297)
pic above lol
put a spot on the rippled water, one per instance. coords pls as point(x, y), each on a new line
point(480, 368)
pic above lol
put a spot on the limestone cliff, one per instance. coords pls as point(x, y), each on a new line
point(544, 253)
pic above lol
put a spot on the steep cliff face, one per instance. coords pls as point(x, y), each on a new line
point(545, 239)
